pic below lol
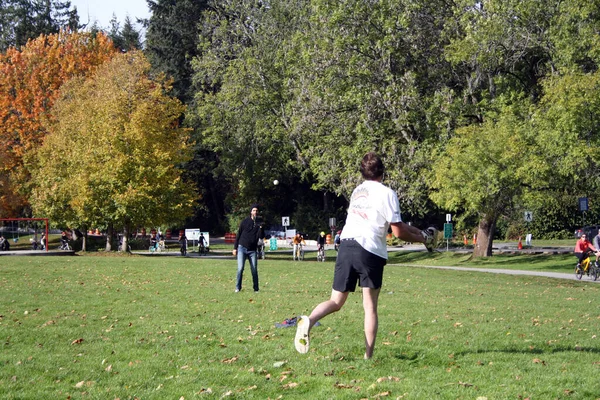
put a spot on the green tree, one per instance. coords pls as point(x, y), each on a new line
point(126, 38)
point(307, 89)
point(119, 148)
point(485, 170)
point(21, 20)
point(172, 37)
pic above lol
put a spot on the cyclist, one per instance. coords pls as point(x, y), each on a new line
point(583, 248)
point(298, 241)
point(183, 241)
point(596, 242)
point(321, 240)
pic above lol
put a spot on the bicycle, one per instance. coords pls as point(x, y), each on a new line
point(588, 268)
point(202, 249)
point(260, 252)
point(183, 248)
point(321, 254)
point(299, 253)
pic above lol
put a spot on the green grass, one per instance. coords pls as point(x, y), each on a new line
point(107, 327)
point(564, 263)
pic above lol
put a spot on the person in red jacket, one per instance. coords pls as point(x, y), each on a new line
point(582, 248)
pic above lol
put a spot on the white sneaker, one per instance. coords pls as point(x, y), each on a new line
point(431, 238)
point(302, 340)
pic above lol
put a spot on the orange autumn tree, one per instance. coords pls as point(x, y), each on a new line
point(30, 79)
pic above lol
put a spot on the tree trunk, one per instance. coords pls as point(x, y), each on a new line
point(485, 236)
point(125, 238)
point(109, 234)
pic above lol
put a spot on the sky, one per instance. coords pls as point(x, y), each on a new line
point(102, 11)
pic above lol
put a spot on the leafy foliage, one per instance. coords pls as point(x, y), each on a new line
point(22, 20)
point(113, 153)
point(30, 80)
point(126, 38)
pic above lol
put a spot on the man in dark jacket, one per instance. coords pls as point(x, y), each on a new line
point(245, 247)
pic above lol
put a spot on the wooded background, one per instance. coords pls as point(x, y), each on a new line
point(481, 109)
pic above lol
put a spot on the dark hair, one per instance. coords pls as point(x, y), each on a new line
point(371, 166)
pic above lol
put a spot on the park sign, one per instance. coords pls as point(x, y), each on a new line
point(447, 231)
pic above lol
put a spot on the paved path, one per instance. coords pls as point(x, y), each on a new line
point(557, 275)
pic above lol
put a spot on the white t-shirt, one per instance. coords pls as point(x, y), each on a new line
point(373, 206)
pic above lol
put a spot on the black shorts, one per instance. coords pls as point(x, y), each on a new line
point(355, 264)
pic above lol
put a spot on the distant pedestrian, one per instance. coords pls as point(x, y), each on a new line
point(245, 247)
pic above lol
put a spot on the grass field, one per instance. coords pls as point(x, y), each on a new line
point(132, 327)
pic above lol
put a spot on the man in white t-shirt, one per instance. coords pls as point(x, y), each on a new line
point(363, 251)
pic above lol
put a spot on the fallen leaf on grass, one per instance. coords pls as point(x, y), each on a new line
point(77, 341)
point(388, 378)
point(382, 394)
point(290, 385)
point(538, 361)
point(230, 360)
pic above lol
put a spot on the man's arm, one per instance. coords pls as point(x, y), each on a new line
point(406, 232)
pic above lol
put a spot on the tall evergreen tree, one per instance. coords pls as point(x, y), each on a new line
point(21, 20)
point(172, 40)
point(126, 38)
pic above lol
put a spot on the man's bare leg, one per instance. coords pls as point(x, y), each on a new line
point(370, 299)
point(334, 304)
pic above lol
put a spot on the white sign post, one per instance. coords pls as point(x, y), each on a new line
point(285, 221)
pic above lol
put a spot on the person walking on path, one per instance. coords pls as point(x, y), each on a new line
point(363, 252)
point(245, 247)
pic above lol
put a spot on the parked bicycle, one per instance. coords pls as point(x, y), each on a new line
point(588, 268)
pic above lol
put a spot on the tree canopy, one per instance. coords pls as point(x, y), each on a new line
point(30, 79)
point(112, 155)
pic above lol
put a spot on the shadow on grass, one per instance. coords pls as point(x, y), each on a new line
point(534, 350)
